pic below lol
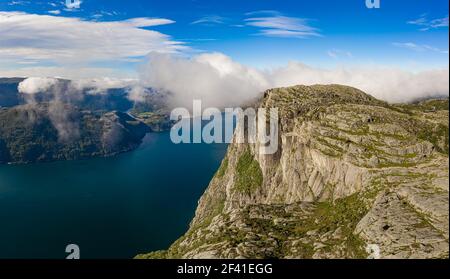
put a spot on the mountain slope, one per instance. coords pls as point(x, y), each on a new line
point(84, 98)
point(351, 171)
point(9, 95)
point(47, 132)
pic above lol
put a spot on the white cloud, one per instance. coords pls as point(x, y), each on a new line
point(36, 85)
point(263, 12)
point(69, 40)
point(57, 111)
point(427, 24)
point(101, 85)
point(60, 93)
point(137, 93)
point(210, 20)
point(435, 49)
point(148, 22)
point(214, 78)
point(276, 25)
point(220, 82)
point(54, 12)
point(101, 14)
point(337, 54)
point(385, 83)
point(419, 47)
point(18, 3)
point(410, 46)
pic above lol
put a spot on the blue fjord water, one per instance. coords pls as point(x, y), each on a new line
point(112, 207)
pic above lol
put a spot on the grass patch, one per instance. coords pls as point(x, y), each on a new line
point(223, 168)
point(249, 174)
point(345, 214)
point(438, 136)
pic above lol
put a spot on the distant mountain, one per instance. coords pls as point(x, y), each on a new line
point(110, 99)
point(47, 132)
point(152, 110)
point(98, 122)
point(352, 176)
point(9, 95)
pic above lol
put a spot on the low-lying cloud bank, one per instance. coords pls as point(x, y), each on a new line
point(60, 87)
point(388, 84)
point(34, 85)
point(213, 78)
point(220, 82)
point(58, 93)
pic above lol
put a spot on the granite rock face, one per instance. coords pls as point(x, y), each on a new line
point(353, 177)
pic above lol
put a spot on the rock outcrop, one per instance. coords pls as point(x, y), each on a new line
point(353, 177)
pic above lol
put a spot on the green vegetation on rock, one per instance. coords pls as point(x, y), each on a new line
point(223, 168)
point(248, 172)
point(35, 133)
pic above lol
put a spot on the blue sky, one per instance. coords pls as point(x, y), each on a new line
point(260, 33)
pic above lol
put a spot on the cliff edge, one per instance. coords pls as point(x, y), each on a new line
point(353, 177)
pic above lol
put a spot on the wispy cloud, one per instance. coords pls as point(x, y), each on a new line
point(70, 40)
point(337, 53)
point(18, 3)
point(148, 22)
point(410, 46)
point(54, 12)
point(210, 20)
point(263, 12)
point(419, 47)
point(426, 24)
point(274, 24)
point(219, 81)
point(102, 14)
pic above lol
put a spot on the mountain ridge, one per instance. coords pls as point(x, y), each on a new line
point(350, 172)
point(47, 132)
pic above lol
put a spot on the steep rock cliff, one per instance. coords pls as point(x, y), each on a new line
point(353, 176)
